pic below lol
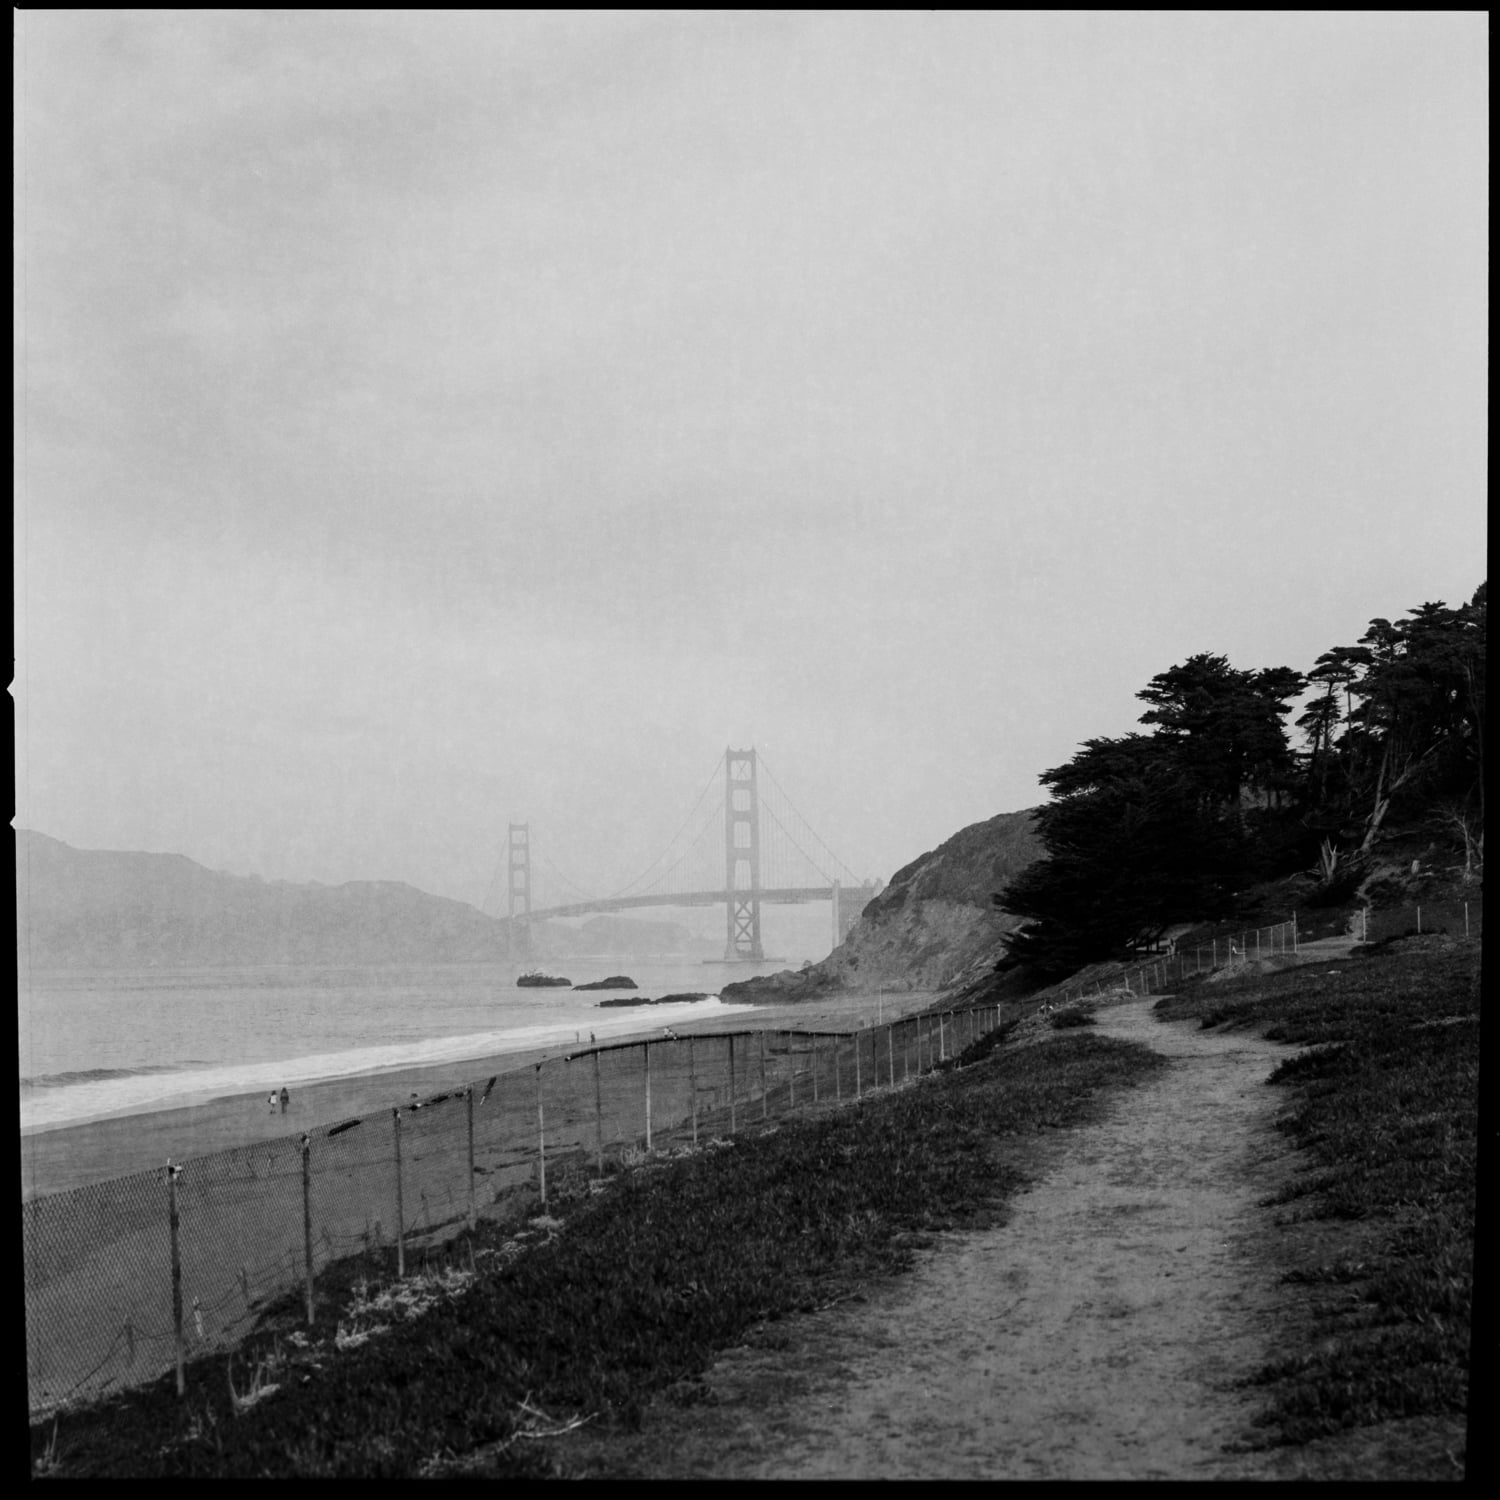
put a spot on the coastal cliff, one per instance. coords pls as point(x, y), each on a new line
point(932, 927)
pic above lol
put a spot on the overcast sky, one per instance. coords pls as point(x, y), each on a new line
point(428, 420)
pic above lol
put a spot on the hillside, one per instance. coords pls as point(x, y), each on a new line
point(95, 908)
point(933, 926)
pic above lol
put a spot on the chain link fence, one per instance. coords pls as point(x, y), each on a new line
point(128, 1278)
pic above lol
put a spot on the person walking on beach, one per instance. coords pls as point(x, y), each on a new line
point(286, 1098)
point(272, 1101)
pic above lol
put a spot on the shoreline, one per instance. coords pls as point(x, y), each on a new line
point(57, 1158)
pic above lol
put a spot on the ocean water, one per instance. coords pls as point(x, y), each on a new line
point(107, 1042)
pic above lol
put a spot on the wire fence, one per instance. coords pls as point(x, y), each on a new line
point(1441, 918)
point(128, 1278)
point(1186, 958)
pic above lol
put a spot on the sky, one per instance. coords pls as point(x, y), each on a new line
point(433, 420)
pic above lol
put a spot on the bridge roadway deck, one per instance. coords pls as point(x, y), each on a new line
point(784, 894)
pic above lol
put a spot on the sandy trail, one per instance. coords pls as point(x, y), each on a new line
point(1093, 1336)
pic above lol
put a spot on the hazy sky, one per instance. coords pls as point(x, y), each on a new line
point(428, 420)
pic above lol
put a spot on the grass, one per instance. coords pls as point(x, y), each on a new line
point(634, 1288)
point(1381, 1231)
point(1066, 1020)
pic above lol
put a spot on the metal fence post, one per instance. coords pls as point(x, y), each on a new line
point(838, 1091)
point(856, 1066)
point(400, 1208)
point(765, 1107)
point(791, 1073)
point(541, 1139)
point(890, 1052)
point(815, 1066)
point(731, 1084)
point(307, 1244)
point(1419, 921)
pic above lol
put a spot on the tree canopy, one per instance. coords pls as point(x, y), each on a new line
point(1151, 829)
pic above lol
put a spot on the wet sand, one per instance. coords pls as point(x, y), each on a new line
point(70, 1156)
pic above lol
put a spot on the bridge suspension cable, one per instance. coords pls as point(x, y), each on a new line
point(778, 875)
point(572, 885)
point(713, 776)
point(694, 847)
point(792, 806)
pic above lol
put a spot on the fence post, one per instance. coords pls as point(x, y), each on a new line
point(838, 1090)
point(599, 1113)
point(731, 1084)
point(856, 1066)
point(400, 1209)
point(541, 1139)
point(307, 1245)
point(1419, 921)
point(765, 1107)
point(791, 1074)
point(1466, 919)
point(815, 1066)
point(1294, 932)
point(469, 1110)
point(693, 1086)
point(890, 1052)
point(646, 1050)
point(172, 1224)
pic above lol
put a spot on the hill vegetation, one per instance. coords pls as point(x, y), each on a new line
point(1148, 830)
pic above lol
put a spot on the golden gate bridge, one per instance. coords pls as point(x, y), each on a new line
point(746, 849)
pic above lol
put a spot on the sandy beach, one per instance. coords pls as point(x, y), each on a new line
point(71, 1156)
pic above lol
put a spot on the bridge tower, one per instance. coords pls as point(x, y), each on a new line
point(518, 888)
point(741, 858)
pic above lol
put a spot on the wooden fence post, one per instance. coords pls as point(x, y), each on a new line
point(400, 1207)
point(765, 1107)
point(731, 1084)
point(469, 1109)
point(890, 1052)
point(693, 1086)
point(815, 1066)
point(856, 1065)
point(646, 1049)
point(307, 1244)
point(541, 1139)
point(599, 1115)
point(172, 1227)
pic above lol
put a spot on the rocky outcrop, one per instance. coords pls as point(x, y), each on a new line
point(614, 982)
point(934, 926)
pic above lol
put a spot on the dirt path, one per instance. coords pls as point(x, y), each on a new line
point(1093, 1336)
